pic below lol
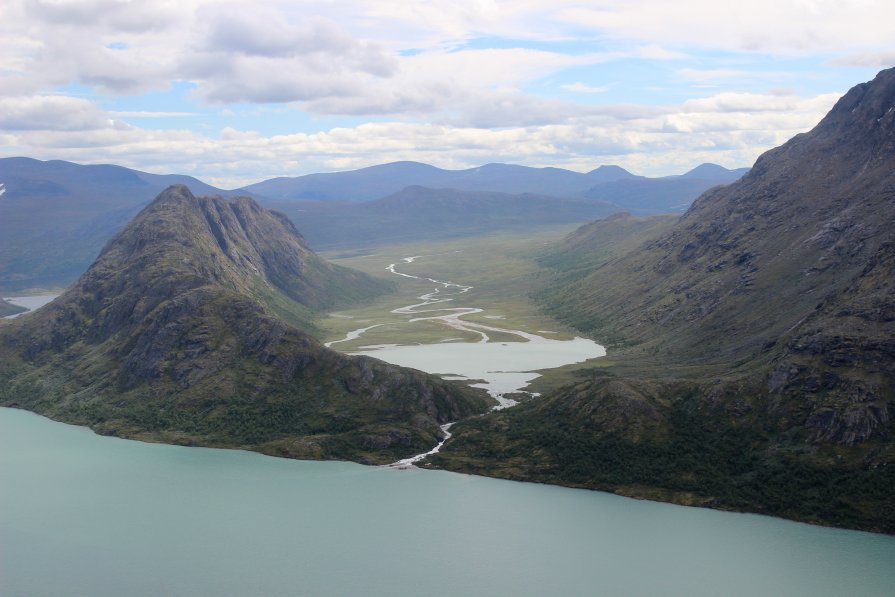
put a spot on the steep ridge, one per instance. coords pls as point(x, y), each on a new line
point(192, 327)
point(754, 360)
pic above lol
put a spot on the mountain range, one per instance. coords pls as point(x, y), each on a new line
point(193, 326)
point(375, 182)
point(751, 341)
point(420, 213)
point(55, 216)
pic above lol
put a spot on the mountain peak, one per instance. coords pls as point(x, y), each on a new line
point(192, 326)
point(174, 193)
point(707, 170)
point(870, 105)
point(857, 137)
point(609, 173)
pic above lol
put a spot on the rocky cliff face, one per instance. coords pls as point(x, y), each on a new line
point(762, 319)
point(191, 327)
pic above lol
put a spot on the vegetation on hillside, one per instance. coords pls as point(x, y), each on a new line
point(751, 362)
point(193, 327)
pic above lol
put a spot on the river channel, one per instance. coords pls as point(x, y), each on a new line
point(501, 368)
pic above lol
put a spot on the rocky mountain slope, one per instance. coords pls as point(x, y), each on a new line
point(192, 327)
point(752, 360)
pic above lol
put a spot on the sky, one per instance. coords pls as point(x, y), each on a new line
point(238, 92)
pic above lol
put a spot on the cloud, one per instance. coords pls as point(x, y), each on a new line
point(120, 47)
point(453, 83)
point(731, 129)
point(110, 15)
point(260, 57)
point(884, 59)
point(460, 86)
point(767, 26)
point(579, 87)
point(53, 113)
point(150, 114)
point(264, 33)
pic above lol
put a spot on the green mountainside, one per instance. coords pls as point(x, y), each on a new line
point(192, 327)
point(751, 344)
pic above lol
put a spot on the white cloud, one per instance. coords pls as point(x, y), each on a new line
point(787, 26)
point(579, 87)
point(882, 59)
point(151, 114)
point(452, 77)
point(732, 129)
point(258, 56)
point(109, 15)
point(52, 113)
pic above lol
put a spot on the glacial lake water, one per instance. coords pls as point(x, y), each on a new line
point(30, 302)
point(82, 514)
point(498, 367)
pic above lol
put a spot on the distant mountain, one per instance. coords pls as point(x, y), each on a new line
point(355, 185)
point(376, 182)
point(192, 327)
point(606, 184)
point(419, 213)
point(55, 216)
point(752, 345)
point(668, 194)
point(716, 173)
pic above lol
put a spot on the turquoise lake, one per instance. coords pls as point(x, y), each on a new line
point(82, 514)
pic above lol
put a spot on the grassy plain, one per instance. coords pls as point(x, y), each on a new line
point(502, 269)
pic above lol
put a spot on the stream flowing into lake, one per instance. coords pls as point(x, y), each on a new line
point(499, 367)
